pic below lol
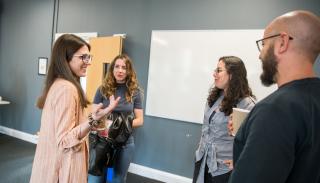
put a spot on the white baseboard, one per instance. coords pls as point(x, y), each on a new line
point(157, 174)
point(134, 168)
point(19, 134)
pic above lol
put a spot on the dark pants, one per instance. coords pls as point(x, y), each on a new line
point(123, 158)
point(208, 178)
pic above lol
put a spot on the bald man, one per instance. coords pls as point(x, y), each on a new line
point(280, 139)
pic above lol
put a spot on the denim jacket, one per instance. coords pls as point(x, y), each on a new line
point(216, 144)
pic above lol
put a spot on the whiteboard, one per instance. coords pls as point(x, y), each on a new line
point(181, 69)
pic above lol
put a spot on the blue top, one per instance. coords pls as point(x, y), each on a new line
point(123, 105)
point(216, 144)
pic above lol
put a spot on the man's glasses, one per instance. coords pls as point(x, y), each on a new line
point(260, 43)
point(86, 58)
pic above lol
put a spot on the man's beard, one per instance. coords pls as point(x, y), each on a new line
point(269, 68)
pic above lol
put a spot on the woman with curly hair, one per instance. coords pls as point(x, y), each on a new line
point(231, 89)
point(121, 81)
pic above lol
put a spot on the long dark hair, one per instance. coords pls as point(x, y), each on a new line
point(63, 50)
point(237, 89)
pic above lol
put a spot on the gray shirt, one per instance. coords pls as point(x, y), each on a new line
point(216, 144)
point(123, 105)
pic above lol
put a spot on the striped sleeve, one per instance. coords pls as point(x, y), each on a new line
point(66, 117)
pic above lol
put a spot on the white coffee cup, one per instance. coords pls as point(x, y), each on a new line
point(238, 116)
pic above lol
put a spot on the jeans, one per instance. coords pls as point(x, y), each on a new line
point(123, 157)
point(96, 179)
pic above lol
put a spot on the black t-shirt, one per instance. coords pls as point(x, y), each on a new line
point(280, 140)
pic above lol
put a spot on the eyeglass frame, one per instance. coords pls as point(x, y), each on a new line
point(260, 41)
point(85, 60)
point(218, 70)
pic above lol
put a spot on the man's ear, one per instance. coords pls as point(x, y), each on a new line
point(283, 43)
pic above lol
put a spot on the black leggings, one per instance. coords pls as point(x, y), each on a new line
point(208, 178)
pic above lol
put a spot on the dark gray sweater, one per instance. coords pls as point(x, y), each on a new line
point(280, 141)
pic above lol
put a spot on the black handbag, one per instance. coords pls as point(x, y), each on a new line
point(120, 129)
point(102, 149)
point(101, 154)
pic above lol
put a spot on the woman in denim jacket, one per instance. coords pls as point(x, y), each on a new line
point(214, 154)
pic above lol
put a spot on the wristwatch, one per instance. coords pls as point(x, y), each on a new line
point(92, 122)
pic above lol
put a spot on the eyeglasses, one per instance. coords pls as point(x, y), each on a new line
point(260, 43)
point(218, 70)
point(86, 58)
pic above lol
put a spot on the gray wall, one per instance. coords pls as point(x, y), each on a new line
point(26, 29)
point(25, 35)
